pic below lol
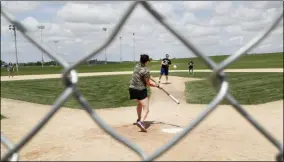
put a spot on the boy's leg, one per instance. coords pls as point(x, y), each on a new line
point(145, 105)
point(139, 110)
point(161, 74)
point(160, 78)
point(167, 73)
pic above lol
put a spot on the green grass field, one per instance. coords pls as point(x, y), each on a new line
point(273, 60)
point(247, 88)
point(112, 91)
point(100, 91)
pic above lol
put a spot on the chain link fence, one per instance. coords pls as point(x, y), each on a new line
point(70, 79)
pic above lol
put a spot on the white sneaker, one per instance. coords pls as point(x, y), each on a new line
point(141, 126)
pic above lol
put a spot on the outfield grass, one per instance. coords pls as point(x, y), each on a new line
point(274, 60)
point(100, 91)
point(112, 91)
point(247, 88)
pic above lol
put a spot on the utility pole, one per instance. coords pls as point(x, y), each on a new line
point(105, 29)
point(41, 27)
point(134, 47)
point(120, 50)
point(13, 27)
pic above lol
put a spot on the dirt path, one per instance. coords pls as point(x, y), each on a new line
point(46, 76)
point(72, 135)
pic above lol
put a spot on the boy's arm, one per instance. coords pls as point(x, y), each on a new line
point(170, 62)
point(147, 79)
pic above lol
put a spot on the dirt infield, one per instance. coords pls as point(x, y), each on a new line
point(72, 135)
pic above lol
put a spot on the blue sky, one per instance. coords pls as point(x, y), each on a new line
point(217, 27)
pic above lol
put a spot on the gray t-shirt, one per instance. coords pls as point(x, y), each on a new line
point(140, 74)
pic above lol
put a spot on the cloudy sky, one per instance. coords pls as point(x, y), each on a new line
point(215, 27)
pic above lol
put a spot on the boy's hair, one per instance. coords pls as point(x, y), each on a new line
point(144, 58)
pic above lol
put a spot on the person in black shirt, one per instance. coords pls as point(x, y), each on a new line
point(166, 62)
point(190, 66)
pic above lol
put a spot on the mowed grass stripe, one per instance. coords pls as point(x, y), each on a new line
point(247, 88)
point(100, 91)
point(112, 91)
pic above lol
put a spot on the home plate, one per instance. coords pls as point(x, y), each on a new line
point(172, 130)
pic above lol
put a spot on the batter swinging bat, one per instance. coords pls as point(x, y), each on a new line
point(172, 97)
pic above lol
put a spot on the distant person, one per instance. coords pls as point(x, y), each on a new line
point(138, 89)
point(10, 69)
point(165, 64)
point(190, 66)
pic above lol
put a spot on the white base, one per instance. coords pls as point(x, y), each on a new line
point(172, 130)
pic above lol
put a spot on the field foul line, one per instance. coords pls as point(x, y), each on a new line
point(49, 76)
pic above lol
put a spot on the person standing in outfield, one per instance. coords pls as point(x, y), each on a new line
point(10, 69)
point(190, 66)
point(166, 62)
point(138, 89)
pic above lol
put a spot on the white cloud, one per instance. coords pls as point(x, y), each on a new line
point(214, 27)
point(196, 30)
point(198, 5)
point(20, 6)
point(253, 26)
point(206, 41)
point(188, 18)
point(30, 23)
point(265, 46)
point(266, 4)
point(223, 20)
point(91, 13)
point(247, 14)
point(223, 7)
point(4, 25)
point(164, 8)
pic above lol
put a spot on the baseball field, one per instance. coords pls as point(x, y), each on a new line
point(267, 60)
point(256, 81)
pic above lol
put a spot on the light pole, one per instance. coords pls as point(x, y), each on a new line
point(120, 50)
point(134, 47)
point(41, 27)
point(56, 42)
point(13, 27)
point(105, 29)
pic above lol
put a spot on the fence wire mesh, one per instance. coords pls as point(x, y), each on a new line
point(70, 79)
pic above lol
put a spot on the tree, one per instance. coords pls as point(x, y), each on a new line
point(3, 63)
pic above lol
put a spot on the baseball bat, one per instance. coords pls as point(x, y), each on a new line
point(171, 96)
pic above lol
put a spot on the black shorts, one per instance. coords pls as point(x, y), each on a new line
point(138, 94)
point(190, 67)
